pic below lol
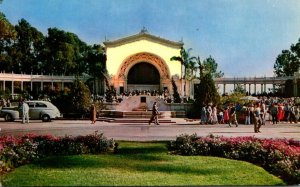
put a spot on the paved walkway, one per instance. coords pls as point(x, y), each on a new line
point(144, 132)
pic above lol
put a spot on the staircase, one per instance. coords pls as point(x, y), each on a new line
point(132, 120)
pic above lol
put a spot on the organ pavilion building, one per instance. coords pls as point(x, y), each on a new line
point(142, 62)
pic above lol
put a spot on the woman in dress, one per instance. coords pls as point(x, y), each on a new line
point(93, 114)
point(226, 116)
point(280, 113)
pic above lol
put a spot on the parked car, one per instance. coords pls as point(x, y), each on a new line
point(43, 110)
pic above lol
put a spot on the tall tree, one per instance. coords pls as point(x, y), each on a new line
point(80, 96)
point(7, 36)
point(288, 62)
point(65, 52)
point(7, 30)
point(176, 95)
point(211, 67)
point(28, 46)
point(185, 59)
point(96, 59)
point(206, 92)
point(208, 66)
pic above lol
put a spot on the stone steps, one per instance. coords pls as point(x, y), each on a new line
point(132, 120)
point(141, 114)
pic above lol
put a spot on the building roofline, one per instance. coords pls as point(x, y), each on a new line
point(142, 36)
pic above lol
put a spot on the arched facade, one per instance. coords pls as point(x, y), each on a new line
point(124, 54)
point(143, 57)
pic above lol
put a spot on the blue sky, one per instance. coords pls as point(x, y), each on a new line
point(243, 36)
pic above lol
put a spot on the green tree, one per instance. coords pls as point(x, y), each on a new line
point(176, 95)
point(211, 67)
point(206, 92)
point(288, 62)
point(185, 60)
point(65, 53)
point(28, 46)
point(81, 96)
point(7, 36)
point(7, 30)
point(208, 66)
point(96, 59)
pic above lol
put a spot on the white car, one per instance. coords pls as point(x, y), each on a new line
point(43, 110)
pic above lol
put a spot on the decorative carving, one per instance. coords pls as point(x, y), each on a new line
point(144, 57)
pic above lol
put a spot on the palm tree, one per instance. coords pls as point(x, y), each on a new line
point(185, 61)
point(200, 66)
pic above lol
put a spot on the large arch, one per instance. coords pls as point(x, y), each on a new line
point(144, 57)
point(143, 73)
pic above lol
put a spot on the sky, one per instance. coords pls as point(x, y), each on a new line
point(243, 36)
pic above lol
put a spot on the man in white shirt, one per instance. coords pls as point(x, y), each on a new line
point(25, 111)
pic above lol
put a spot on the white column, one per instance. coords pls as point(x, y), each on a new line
point(12, 87)
point(265, 87)
point(249, 89)
point(22, 85)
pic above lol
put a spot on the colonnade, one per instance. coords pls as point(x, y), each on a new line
point(247, 88)
point(249, 81)
point(11, 81)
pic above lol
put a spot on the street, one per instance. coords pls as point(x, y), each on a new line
point(144, 132)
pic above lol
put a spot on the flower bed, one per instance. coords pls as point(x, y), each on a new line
point(15, 151)
point(280, 157)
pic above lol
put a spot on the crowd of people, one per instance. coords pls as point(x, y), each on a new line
point(168, 98)
point(255, 112)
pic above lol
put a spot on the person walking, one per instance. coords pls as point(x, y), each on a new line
point(232, 117)
point(25, 112)
point(226, 115)
point(257, 119)
point(263, 112)
point(93, 113)
point(154, 116)
point(247, 115)
point(274, 113)
point(203, 115)
point(214, 115)
point(209, 114)
point(280, 113)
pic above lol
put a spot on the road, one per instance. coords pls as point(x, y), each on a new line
point(144, 132)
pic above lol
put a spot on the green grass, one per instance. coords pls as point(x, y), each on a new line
point(138, 163)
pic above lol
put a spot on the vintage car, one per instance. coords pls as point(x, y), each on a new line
point(43, 110)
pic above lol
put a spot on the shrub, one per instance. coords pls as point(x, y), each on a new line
point(280, 157)
point(15, 151)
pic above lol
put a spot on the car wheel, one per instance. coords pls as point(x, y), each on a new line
point(45, 118)
point(8, 117)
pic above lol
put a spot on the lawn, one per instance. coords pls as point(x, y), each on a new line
point(138, 164)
